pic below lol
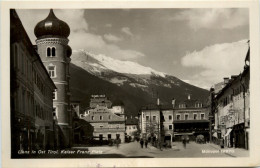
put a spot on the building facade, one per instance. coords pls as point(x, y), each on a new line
point(106, 124)
point(232, 109)
point(191, 118)
point(131, 126)
point(152, 123)
point(31, 94)
point(52, 46)
point(168, 125)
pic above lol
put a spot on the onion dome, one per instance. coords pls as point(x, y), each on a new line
point(69, 51)
point(52, 26)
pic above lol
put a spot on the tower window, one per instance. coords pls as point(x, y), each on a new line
point(48, 52)
point(51, 51)
point(52, 71)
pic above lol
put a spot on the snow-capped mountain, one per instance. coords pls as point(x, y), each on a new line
point(99, 63)
point(131, 82)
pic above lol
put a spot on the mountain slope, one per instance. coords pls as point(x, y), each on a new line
point(134, 84)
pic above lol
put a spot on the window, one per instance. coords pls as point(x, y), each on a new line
point(100, 117)
point(109, 117)
point(51, 51)
point(117, 136)
point(133, 127)
point(109, 136)
point(170, 127)
point(52, 70)
point(202, 116)
point(170, 117)
point(182, 106)
point(178, 116)
point(147, 118)
point(54, 112)
point(92, 117)
point(101, 126)
point(195, 116)
point(54, 97)
point(186, 116)
point(154, 118)
point(48, 52)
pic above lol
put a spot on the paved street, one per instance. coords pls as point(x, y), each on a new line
point(192, 149)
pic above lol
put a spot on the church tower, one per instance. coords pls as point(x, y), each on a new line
point(52, 46)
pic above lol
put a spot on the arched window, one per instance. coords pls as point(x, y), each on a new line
point(48, 52)
point(53, 51)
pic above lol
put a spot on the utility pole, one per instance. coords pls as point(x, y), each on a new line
point(211, 113)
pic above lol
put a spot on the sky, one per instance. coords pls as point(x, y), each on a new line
point(199, 46)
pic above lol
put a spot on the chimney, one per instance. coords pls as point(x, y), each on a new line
point(188, 96)
point(226, 80)
point(158, 101)
point(173, 103)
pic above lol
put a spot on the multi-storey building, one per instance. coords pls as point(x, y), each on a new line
point(191, 118)
point(31, 94)
point(99, 100)
point(168, 124)
point(131, 126)
point(232, 109)
point(151, 122)
point(52, 46)
point(107, 125)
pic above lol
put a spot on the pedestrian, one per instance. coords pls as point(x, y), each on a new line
point(184, 142)
point(142, 143)
point(146, 143)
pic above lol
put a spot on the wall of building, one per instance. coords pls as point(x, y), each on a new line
point(106, 122)
point(31, 94)
point(190, 113)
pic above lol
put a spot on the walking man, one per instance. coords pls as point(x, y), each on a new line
point(142, 142)
point(184, 142)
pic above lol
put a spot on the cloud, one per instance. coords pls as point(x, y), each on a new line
point(214, 18)
point(108, 25)
point(112, 38)
point(80, 36)
point(216, 61)
point(127, 31)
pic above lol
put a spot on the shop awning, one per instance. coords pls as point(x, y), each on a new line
point(228, 132)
